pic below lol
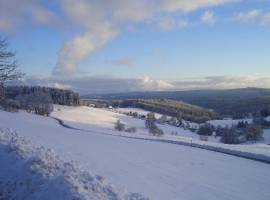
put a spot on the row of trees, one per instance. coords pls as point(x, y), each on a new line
point(241, 108)
point(176, 109)
point(36, 99)
point(235, 134)
point(231, 135)
point(58, 96)
point(37, 102)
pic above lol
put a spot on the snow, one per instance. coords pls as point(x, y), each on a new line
point(154, 167)
point(32, 172)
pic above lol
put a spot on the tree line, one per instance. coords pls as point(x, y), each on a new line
point(235, 134)
point(36, 99)
point(177, 109)
point(58, 96)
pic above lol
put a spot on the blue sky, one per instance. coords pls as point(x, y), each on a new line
point(123, 46)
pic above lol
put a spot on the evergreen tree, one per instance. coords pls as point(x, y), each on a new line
point(219, 130)
point(229, 135)
point(206, 129)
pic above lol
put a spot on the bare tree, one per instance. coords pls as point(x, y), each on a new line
point(8, 65)
point(254, 132)
point(119, 126)
point(150, 121)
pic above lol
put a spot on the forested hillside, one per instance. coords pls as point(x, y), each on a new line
point(224, 102)
point(174, 108)
point(164, 106)
point(243, 106)
point(59, 96)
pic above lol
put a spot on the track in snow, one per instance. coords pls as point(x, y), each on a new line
point(248, 156)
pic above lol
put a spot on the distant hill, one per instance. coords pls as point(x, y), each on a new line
point(168, 107)
point(225, 102)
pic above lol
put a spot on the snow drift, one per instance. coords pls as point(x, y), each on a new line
point(33, 172)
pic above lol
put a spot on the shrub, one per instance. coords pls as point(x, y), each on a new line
point(219, 130)
point(8, 105)
point(159, 132)
point(131, 130)
point(155, 131)
point(119, 126)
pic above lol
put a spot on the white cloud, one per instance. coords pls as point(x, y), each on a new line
point(103, 20)
point(265, 19)
point(59, 86)
point(147, 84)
point(101, 84)
point(249, 17)
point(254, 16)
point(190, 5)
point(79, 47)
point(97, 22)
point(208, 17)
point(17, 13)
point(223, 82)
point(167, 23)
point(108, 84)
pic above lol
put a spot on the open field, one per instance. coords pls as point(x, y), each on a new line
point(156, 170)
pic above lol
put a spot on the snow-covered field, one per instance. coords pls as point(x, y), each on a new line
point(156, 170)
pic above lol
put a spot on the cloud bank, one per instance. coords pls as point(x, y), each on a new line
point(107, 84)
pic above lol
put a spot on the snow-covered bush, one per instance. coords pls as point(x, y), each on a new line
point(119, 126)
point(131, 130)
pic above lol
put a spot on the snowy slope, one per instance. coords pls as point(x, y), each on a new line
point(154, 169)
point(31, 172)
point(99, 120)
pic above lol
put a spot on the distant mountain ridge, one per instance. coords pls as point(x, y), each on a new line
point(225, 102)
point(233, 94)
